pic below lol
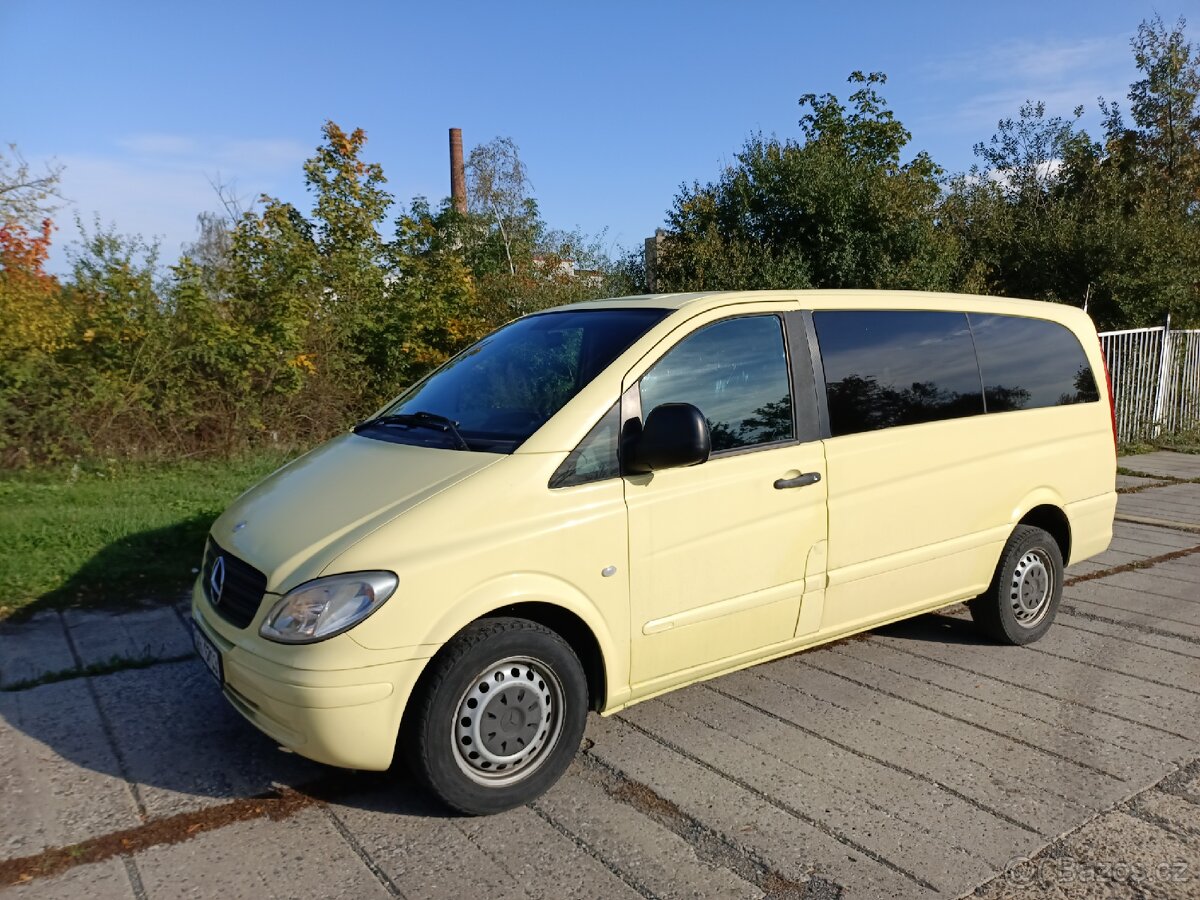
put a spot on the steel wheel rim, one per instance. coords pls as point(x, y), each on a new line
point(507, 721)
point(1031, 587)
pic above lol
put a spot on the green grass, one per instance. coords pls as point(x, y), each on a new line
point(113, 537)
point(1180, 442)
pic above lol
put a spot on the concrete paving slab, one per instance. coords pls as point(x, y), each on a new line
point(1185, 568)
point(1176, 646)
point(1147, 581)
point(1055, 878)
point(817, 799)
point(877, 789)
point(1076, 723)
point(789, 846)
point(1167, 538)
point(99, 881)
point(427, 853)
point(300, 857)
point(1064, 680)
point(1168, 609)
point(59, 778)
point(1136, 481)
point(1087, 567)
point(987, 786)
point(1164, 463)
point(1136, 660)
point(101, 636)
point(1119, 843)
point(1154, 533)
point(1173, 502)
point(184, 746)
point(1095, 755)
point(1170, 811)
point(1139, 548)
point(1138, 621)
point(1110, 559)
point(547, 862)
point(1189, 787)
point(34, 648)
point(662, 862)
point(1036, 768)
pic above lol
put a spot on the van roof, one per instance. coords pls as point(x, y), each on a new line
point(840, 299)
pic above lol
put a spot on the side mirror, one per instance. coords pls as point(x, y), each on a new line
point(675, 435)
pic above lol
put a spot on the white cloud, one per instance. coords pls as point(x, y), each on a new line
point(156, 184)
point(158, 144)
point(1063, 74)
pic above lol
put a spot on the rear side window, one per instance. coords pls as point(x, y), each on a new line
point(1030, 363)
point(885, 368)
point(736, 373)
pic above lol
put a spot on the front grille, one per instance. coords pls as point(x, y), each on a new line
point(241, 591)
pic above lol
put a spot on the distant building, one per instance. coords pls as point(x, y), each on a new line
point(650, 258)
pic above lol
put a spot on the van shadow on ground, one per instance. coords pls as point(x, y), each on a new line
point(168, 729)
point(937, 628)
point(175, 735)
point(148, 568)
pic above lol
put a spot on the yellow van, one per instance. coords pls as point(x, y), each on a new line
point(606, 501)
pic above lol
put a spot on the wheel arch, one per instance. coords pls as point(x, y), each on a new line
point(576, 632)
point(1052, 519)
point(562, 608)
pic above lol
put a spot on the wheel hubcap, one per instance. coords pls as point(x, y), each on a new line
point(1031, 588)
point(507, 721)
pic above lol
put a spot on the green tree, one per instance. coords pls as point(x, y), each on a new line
point(1054, 215)
point(840, 207)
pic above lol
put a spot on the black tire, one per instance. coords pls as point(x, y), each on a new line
point(1022, 600)
point(498, 716)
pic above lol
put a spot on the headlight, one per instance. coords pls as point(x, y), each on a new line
point(327, 606)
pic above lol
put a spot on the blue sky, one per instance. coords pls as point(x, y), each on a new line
point(613, 104)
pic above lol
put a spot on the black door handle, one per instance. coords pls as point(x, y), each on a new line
point(799, 481)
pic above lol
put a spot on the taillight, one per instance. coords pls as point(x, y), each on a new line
point(1112, 405)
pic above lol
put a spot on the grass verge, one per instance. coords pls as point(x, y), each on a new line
point(111, 537)
point(1181, 442)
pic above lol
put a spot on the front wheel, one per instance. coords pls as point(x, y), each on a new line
point(1019, 605)
point(498, 717)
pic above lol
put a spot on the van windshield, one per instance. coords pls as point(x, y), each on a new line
point(494, 395)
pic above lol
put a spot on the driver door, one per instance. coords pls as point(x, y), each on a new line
point(719, 553)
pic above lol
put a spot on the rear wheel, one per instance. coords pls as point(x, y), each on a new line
point(1019, 605)
point(498, 717)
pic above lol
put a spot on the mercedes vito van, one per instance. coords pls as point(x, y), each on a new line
point(606, 501)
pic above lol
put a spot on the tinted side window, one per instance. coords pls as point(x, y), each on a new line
point(736, 373)
point(1030, 363)
point(596, 456)
point(885, 368)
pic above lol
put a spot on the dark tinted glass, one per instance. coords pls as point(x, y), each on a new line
point(596, 456)
point(736, 373)
point(504, 388)
point(886, 368)
point(1029, 363)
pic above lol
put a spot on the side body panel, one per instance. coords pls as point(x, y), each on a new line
point(718, 558)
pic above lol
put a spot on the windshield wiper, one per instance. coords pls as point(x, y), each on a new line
point(423, 419)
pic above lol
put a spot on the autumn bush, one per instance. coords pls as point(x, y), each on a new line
point(276, 329)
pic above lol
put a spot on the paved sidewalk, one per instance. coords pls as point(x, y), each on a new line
point(916, 761)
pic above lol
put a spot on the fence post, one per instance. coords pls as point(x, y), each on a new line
point(1164, 369)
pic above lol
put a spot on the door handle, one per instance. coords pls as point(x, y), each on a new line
point(799, 481)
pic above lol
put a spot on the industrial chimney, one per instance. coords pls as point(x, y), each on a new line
point(458, 173)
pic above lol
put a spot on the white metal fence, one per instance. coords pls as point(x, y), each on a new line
point(1155, 378)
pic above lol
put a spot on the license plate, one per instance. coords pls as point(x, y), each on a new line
point(208, 653)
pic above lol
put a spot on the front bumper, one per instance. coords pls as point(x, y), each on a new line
point(342, 717)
